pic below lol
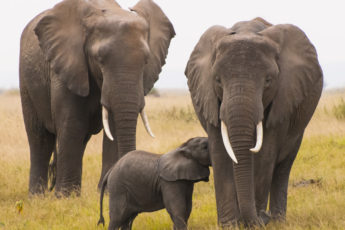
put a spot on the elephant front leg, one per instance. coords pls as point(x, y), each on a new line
point(109, 153)
point(177, 199)
point(71, 144)
point(226, 198)
point(280, 181)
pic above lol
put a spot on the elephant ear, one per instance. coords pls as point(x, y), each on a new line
point(199, 74)
point(175, 166)
point(161, 31)
point(61, 37)
point(299, 71)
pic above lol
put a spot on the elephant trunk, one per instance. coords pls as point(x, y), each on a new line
point(125, 115)
point(241, 138)
point(242, 118)
point(121, 100)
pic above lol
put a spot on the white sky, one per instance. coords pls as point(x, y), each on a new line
point(322, 21)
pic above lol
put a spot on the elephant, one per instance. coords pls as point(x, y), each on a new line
point(145, 182)
point(84, 66)
point(254, 88)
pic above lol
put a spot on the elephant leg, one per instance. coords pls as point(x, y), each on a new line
point(128, 224)
point(280, 180)
point(41, 144)
point(226, 198)
point(263, 179)
point(264, 163)
point(177, 198)
point(71, 143)
point(109, 152)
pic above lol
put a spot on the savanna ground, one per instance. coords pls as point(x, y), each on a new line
point(316, 198)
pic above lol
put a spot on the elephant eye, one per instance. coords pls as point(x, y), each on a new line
point(217, 79)
point(268, 81)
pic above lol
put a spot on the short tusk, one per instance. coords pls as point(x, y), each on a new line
point(259, 137)
point(226, 142)
point(146, 123)
point(106, 123)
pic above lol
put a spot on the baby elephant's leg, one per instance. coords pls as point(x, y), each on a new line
point(128, 224)
point(177, 198)
point(119, 212)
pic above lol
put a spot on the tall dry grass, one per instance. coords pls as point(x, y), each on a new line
point(316, 198)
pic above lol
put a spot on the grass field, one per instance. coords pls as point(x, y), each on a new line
point(317, 205)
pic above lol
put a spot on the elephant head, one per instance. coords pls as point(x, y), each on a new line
point(245, 80)
point(188, 162)
point(121, 51)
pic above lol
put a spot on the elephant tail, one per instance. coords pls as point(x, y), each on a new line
point(52, 171)
point(104, 184)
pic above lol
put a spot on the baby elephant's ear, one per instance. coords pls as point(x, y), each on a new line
point(175, 166)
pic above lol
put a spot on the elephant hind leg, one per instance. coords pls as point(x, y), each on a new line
point(41, 144)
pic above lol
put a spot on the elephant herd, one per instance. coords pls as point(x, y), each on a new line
point(86, 65)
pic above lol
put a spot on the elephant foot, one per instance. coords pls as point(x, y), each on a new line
point(278, 217)
point(265, 217)
point(37, 190)
point(262, 220)
point(233, 224)
point(61, 192)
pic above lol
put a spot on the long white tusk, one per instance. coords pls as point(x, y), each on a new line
point(226, 142)
point(146, 123)
point(259, 137)
point(106, 123)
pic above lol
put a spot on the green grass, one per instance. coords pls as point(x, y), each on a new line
point(318, 205)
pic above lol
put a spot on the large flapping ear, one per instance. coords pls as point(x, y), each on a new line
point(61, 37)
point(175, 166)
point(161, 31)
point(299, 71)
point(199, 74)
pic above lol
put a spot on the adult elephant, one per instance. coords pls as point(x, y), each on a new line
point(254, 87)
point(81, 59)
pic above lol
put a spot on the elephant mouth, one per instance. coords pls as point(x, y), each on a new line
point(105, 120)
point(227, 144)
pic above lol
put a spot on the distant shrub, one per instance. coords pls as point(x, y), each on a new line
point(186, 114)
point(339, 110)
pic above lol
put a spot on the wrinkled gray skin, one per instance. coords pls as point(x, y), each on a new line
point(146, 182)
point(74, 59)
point(253, 72)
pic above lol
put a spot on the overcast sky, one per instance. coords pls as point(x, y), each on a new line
point(322, 21)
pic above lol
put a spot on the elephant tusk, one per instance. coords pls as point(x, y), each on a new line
point(146, 123)
point(259, 137)
point(226, 141)
point(106, 123)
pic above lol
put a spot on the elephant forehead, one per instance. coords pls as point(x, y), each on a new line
point(245, 52)
point(247, 43)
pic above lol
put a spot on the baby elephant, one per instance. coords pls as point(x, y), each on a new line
point(146, 182)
